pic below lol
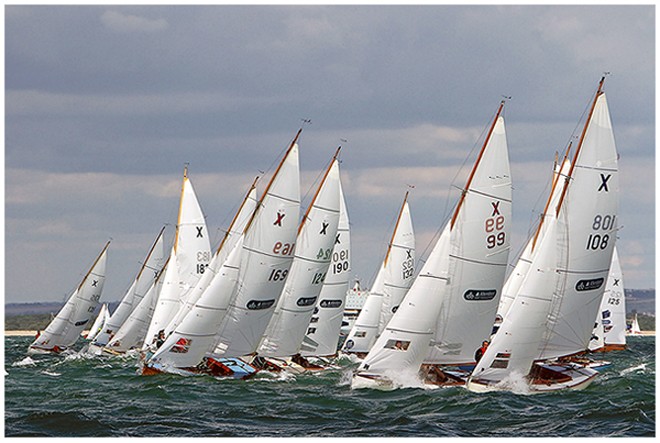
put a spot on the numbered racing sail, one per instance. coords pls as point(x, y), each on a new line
point(191, 254)
point(610, 331)
point(76, 314)
point(98, 323)
point(451, 306)
point(390, 286)
point(314, 244)
point(266, 257)
point(322, 335)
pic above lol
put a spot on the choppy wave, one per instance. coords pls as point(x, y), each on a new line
point(75, 395)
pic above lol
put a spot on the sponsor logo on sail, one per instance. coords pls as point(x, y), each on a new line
point(479, 294)
point(255, 305)
point(589, 285)
point(306, 301)
point(331, 303)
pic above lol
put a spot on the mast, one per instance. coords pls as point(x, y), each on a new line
point(286, 154)
point(178, 220)
point(599, 92)
point(146, 260)
point(327, 171)
point(552, 191)
point(476, 165)
point(231, 225)
point(396, 227)
point(94, 264)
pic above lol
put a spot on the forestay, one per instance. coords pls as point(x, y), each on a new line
point(314, 244)
point(322, 335)
point(67, 325)
point(265, 260)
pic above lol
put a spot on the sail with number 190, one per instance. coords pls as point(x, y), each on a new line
point(268, 248)
point(322, 335)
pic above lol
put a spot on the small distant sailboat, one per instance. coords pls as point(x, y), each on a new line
point(610, 331)
point(634, 327)
point(392, 282)
point(551, 317)
point(64, 330)
point(451, 306)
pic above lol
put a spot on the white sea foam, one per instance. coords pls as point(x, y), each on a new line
point(27, 361)
point(641, 367)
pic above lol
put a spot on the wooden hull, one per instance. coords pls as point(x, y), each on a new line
point(546, 377)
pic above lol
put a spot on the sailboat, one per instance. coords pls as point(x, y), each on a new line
point(634, 326)
point(64, 330)
point(315, 241)
point(610, 331)
point(551, 318)
point(141, 284)
point(392, 282)
point(266, 257)
point(196, 333)
point(451, 306)
point(99, 322)
point(190, 256)
point(322, 337)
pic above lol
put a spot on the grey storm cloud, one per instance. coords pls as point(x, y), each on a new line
point(105, 104)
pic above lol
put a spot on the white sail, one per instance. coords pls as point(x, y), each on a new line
point(587, 234)
point(515, 279)
point(553, 314)
point(322, 335)
point(364, 332)
point(392, 282)
point(634, 327)
point(131, 334)
point(167, 298)
point(399, 266)
point(141, 284)
point(64, 330)
point(191, 254)
point(265, 260)
point(98, 323)
point(610, 330)
point(196, 333)
point(315, 241)
point(451, 306)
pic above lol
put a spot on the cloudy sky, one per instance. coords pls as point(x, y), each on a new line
point(105, 104)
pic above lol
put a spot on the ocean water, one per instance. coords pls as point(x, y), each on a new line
point(79, 396)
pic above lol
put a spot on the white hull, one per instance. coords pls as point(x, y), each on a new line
point(366, 381)
point(580, 378)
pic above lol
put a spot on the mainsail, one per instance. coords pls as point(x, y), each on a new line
point(392, 282)
point(322, 335)
point(314, 244)
point(451, 306)
point(191, 254)
point(266, 257)
point(76, 314)
point(98, 323)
